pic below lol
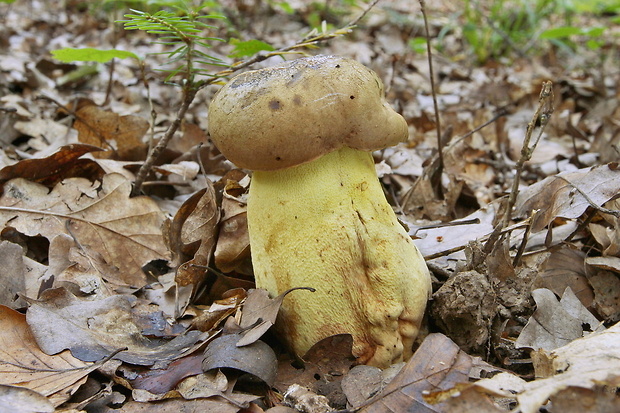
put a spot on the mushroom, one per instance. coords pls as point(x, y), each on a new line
point(317, 214)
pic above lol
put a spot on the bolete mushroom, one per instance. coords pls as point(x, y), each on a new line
point(317, 214)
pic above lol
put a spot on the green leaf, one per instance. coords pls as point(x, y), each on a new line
point(286, 7)
point(594, 31)
point(560, 32)
point(89, 54)
point(418, 45)
point(249, 48)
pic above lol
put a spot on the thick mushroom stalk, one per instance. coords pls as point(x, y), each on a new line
point(326, 224)
point(317, 214)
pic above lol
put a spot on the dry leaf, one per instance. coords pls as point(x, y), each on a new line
point(125, 232)
point(361, 383)
point(191, 235)
point(606, 285)
point(605, 263)
point(70, 262)
point(232, 252)
point(219, 310)
point(551, 326)
point(575, 399)
point(257, 358)
point(12, 280)
point(94, 329)
point(583, 363)
point(51, 170)
point(176, 406)
point(556, 197)
point(324, 366)
point(105, 129)
point(260, 313)
point(564, 268)
point(209, 384)
point(161, 381)
point(22, 363)
point(22, 400)
point(437, 365)
point(458, 234)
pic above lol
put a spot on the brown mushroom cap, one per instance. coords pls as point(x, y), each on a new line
point(293, 113)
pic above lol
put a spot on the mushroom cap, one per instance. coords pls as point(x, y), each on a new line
point(295, 112)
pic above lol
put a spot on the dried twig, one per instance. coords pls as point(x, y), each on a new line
point(541, 117)
point(434, 93)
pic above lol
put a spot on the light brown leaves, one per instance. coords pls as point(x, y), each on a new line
point(121, 136)
point(22, 363)
point(103, 221)
point(583, 364)
point(568, 195)
point(438, 365)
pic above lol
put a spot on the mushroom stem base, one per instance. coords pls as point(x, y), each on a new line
point(327, 225)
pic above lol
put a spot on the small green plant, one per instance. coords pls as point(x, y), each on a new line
point(561, 36)
point(505, 27)
point(183, 34)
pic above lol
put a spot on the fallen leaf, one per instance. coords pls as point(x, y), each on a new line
point(324, 366)
point(39, 127)
point(584, 363)
point(551, 326)
point(121, 135)
point(22, 400)
point(126, 232)
point(259, 312)
point(438, 364)
point(606, 285)
point(161, 381)
point(64, 163)
point(564, 268)
point(598, 399)
point(361, 383)
point(219, 310)
point(466, 398)
point(175, 406)
point(191, 236)
point(257, 358)
point(94, 329)
point(12, 281)
point(70, 262)
point(556, 196)
point(232, 252)
point(457, 233)
point(605, 263)
point(213, 384)
point(209, 384)
point(22, 363)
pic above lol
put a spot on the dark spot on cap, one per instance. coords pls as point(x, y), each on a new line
point(297, 100)
point(337, 66)
point(352, 97)
point(278, 158)
point(275, 105)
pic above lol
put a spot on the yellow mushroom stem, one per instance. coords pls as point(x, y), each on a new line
point(327, 225)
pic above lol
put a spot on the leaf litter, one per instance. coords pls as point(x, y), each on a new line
point(151, 298)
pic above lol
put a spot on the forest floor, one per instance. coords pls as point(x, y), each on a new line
point(106, 303)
